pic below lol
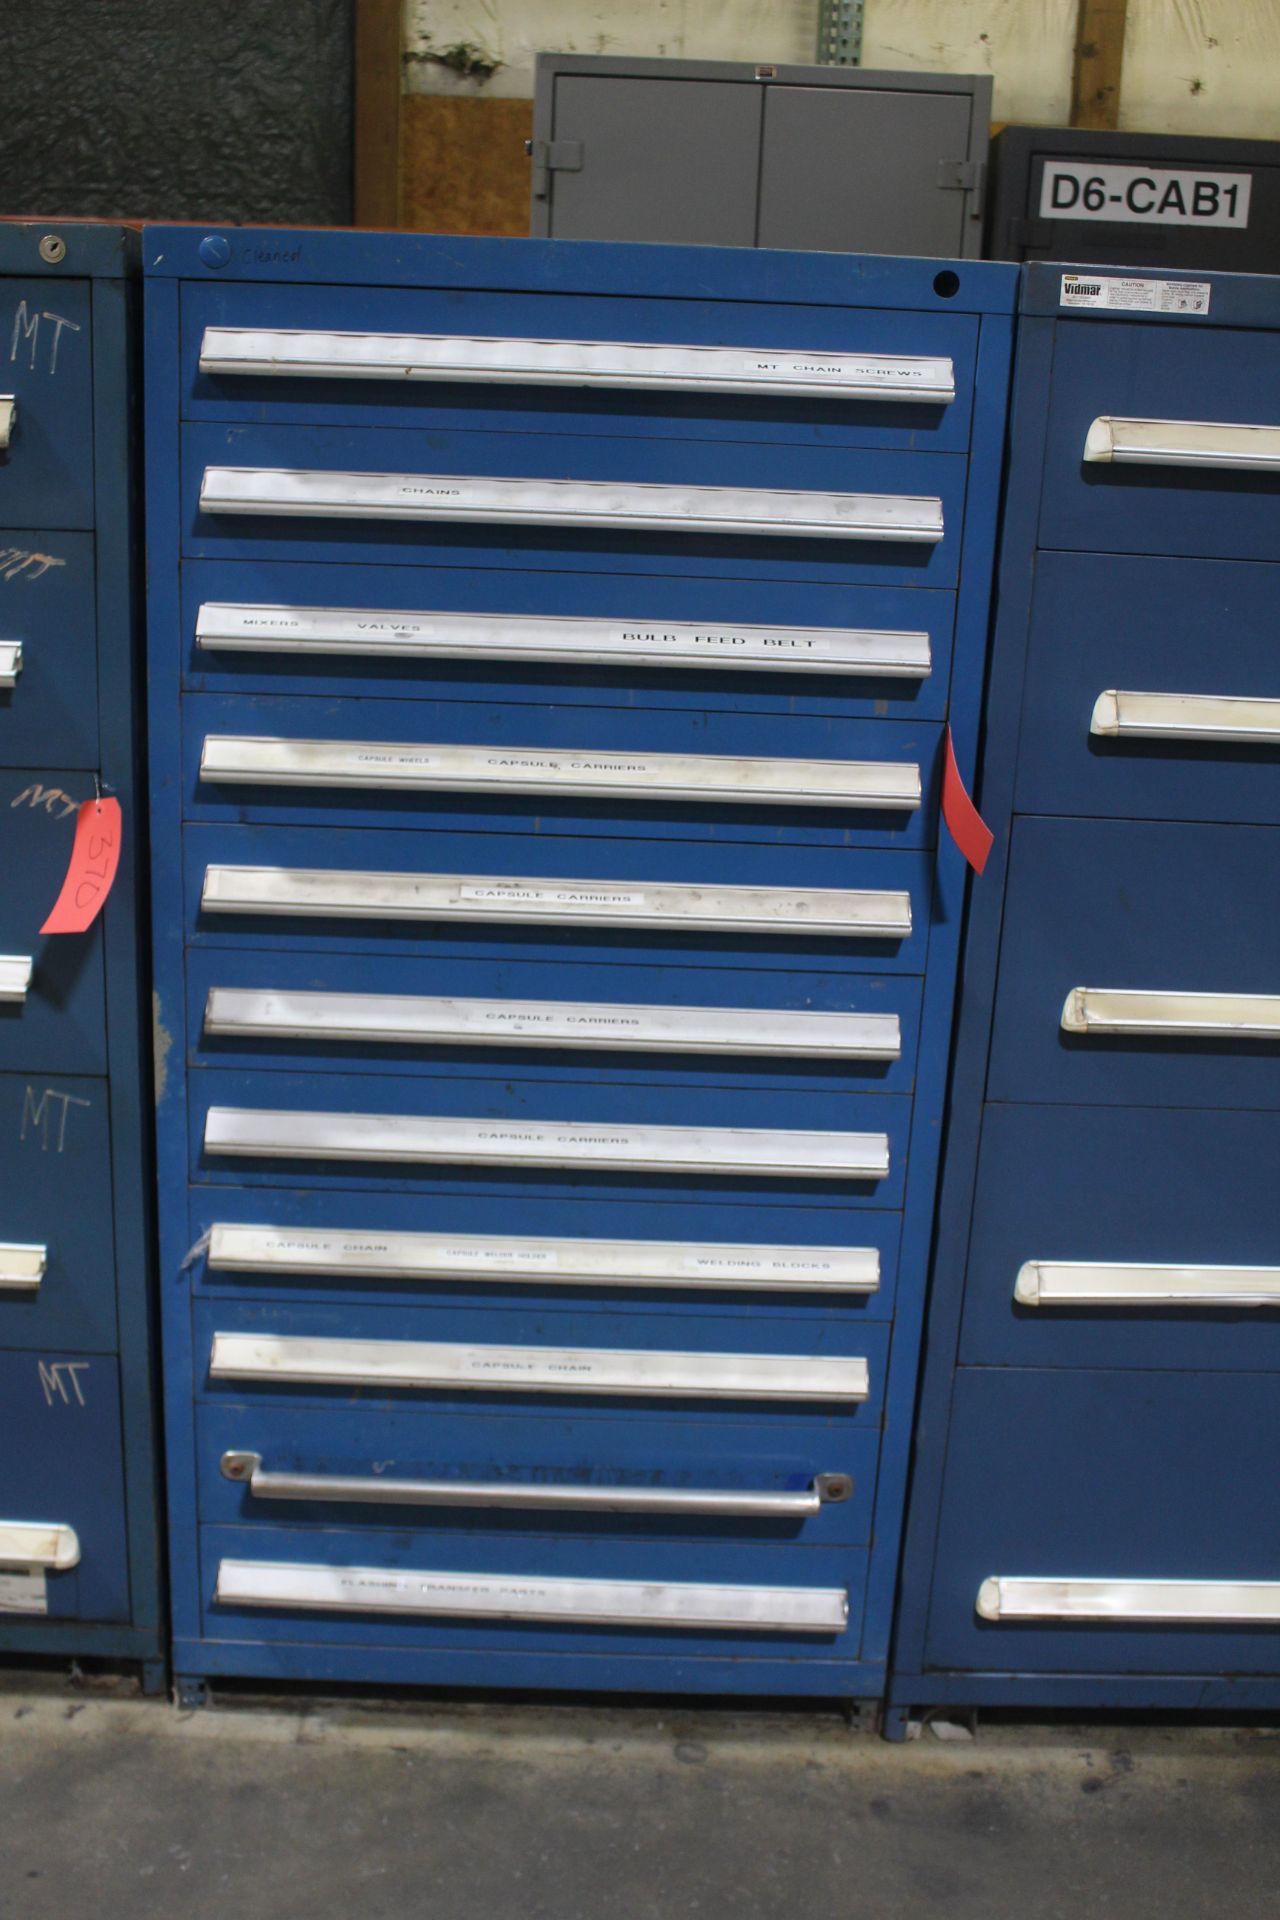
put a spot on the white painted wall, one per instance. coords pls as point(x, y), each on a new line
point(1191, 66)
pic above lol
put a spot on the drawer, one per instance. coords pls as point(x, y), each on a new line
point(364, 890)
point(57, 1271)
point(1142, 938)
point(63, 1547)
point(484, 767)
point(847, 406)
point(1124, 1237)
point(500, 1473)
point(51, 987)
point(476, 1359)
point(510, 1593)
point(910, 495)
point(46, 470)
point(48, 649)
point(1152, 690)
point(639, 1256)
point(1192, 501)
point(586, 639)
point(617, 1023)
point(1117, 1479)
point(436, 1133)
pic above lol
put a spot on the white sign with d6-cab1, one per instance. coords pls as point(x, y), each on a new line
point(1155, 196)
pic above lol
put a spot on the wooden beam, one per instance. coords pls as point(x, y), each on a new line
point(377, 113)
point(1099, 56)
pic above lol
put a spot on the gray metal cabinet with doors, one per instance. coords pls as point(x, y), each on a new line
point(724, 153)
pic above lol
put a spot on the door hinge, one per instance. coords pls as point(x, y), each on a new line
point(552, 156)
point(963, 176)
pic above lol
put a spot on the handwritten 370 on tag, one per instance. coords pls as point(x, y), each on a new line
point(95, 855)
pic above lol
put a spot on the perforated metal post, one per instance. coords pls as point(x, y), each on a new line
point(840, 32)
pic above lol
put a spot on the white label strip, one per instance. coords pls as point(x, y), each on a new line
point(1130, 293)
point(27, 1544)
point(1186, 1016)
point(15, 976)
point(8, 416)
point(356, 632)
point(440, 1366)
point(1213, 718)
point(256, 1133)
point(424, 1020)
point(24, 1592)
point(22, 1266)
point(326, 892)
point(1183, 443)
point(231, 759)
point(605, 1603)
point(1125, 1284)
point(609, 504)
point(1193, 1602)
point(627, 1263)
point(1143, 196)
point(11, 662)
point(576, 363)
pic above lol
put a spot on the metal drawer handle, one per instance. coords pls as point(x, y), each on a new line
point(407, 767)
point(1185, 716)
point(1183, 443)
point(356, 633)
point(277, 352)
point(22, 1266)
point(16, 970)
point(28, 1546)
point(478, 499)
point(8, 417)
point(1126, 1283)
point(402, 1019)
point(247, 1468)
point(1176, 1016)
point(10, 662)
point(535, 1261)
point(698, 1607)
point(443, 1367)
point(347, 894)
point(780, 1154)
point(1191, 1602)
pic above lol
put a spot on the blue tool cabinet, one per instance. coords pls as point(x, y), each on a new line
point(550, 652)
point(80, 1557)
point(1094, 1518)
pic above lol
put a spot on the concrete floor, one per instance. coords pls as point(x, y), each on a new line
point(115, 1806)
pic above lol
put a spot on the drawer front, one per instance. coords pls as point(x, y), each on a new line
point(621, 1579)
point(57, 1271)
point(472, 1358)
point(46, 470)
point(1124, 1237)
point(641, 1256)
point(49, 687)
point(1117, 1478)
point(559, 772)
point(595, 899)
point(1152, 690)
point(672, 408)
point(61, 1471)
point(586, 639)
point(1123, 908)
point(1120, 506)
point(922, 479)
point(829, 1147)
point(51, 1012)
point(614, 1023)
point(502, 1473)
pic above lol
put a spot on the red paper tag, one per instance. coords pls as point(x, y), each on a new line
point(95, 855)
point(964, 823)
